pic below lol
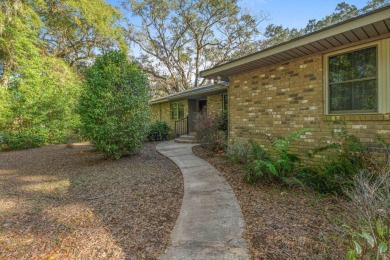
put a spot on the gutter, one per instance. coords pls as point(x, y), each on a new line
point(179, 96)
point(350, 24)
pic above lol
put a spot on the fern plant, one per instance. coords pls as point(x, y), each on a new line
point(279, 166)
point(285, 161)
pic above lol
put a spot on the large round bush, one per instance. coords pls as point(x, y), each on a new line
point(158, 131)
point(114, 107)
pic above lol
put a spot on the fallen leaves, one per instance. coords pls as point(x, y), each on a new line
point(63, 203)
point(282, 222)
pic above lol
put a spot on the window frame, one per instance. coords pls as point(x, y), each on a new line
point(382, 77)
point(225, 102)
point(174, 110)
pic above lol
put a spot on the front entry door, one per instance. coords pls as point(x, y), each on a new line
point(202, 105)
point(192, 109)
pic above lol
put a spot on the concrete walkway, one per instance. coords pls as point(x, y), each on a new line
point(210, 223)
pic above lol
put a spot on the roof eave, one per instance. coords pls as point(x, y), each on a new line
point(353, 23)
point(184, 96)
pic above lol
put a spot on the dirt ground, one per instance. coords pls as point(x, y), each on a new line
point(282, 222)
point(71, 203)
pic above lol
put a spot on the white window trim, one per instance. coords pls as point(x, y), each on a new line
point(383, 75)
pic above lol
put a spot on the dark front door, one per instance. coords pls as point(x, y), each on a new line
point(191, 114)
point(202, 105)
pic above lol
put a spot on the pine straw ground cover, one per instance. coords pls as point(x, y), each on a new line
point(71, 203)
point(281, 222)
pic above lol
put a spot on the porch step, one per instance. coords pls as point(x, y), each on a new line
point(192, 134)
point(188, 139)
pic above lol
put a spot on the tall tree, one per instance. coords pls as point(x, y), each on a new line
point(178, 38)
point(375, 4)
point(39, 40)
point(73, 30)
point(76, 29)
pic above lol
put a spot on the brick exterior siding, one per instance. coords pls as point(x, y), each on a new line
point(283, 98)
point(162, 112)
point(214, 104)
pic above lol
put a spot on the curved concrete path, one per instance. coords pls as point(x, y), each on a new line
point(210, 223)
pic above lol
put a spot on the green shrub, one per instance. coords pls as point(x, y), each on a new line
point(158, 131)
point(222, 121)
point(347, 157)
point(258, 163)
point(114, 106)
point(240, 152)
point(285, 161)
point(330, 177)
point(39, 108)
point(277, 164)
point(16, 141)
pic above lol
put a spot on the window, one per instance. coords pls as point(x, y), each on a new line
point(356, 79)
point(224, 102)
point(353, 81)
point(177, 110)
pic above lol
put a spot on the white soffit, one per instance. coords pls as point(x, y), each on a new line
point(364, 27)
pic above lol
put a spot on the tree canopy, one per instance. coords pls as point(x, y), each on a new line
point(73, 30)
point(41, 44)
point(178, 38)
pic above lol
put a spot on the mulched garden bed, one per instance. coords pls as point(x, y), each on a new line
point(283, 222)
point(71, 203)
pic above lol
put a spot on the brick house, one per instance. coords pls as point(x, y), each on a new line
point(320, 80)
point(179, 109)
point(340, 73)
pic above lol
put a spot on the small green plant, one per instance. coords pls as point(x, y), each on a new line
point(239, 152)
point(281, 164)
point(158, 131)
point(347, 156)
point(287, 162)
point(247, 153)
point(277, 165)
point(258, 165)
point(370, 203)
point(385, 151)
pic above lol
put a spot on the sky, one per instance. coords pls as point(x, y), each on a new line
point(289, 13)
point(295, 13)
